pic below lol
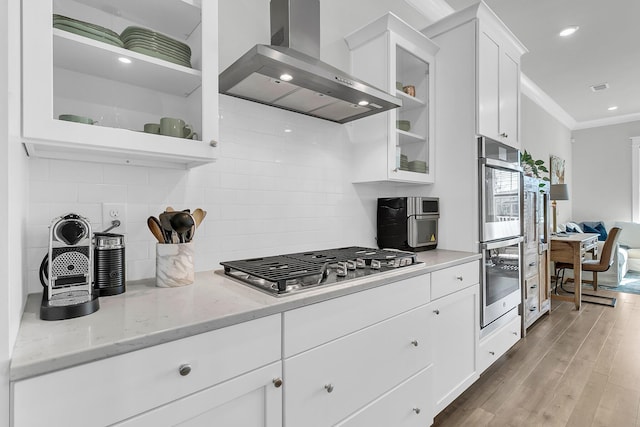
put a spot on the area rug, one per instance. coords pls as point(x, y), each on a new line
point(630, 284)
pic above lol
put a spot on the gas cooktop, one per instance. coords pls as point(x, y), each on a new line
point(291, 273)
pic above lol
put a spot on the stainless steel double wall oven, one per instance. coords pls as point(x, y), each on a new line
point(500, 187)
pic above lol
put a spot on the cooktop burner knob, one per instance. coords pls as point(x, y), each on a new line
point(375, 264)
point(360, 263)
point(351, 265)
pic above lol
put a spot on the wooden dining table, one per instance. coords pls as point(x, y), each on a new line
point(572, 248)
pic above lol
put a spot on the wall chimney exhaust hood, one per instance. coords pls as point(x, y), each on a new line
point(288, 74)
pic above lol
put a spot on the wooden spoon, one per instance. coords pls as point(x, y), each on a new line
point(156, 229)
point(199, 215)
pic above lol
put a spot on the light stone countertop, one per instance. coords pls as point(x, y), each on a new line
point(145, 315)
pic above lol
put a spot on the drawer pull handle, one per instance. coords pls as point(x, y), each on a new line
point(493, 353)
point(460, 278)
point(414, 343)
point(328, 387)
point(416, 410)
point(436, 311)
point(184, 369)
point(534, 286)
point(531, 264)
point(277, 382)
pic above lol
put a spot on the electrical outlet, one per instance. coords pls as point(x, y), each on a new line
point(112, 212)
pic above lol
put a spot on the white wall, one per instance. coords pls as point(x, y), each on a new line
point(13, 187)
point(542, 135)
point(602, 172)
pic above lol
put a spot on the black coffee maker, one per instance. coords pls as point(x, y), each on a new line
point(66, 272)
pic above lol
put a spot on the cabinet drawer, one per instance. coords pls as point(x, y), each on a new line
point(308, 327)
point(328, 383)
point(496, 344)
point(453, 279)
point(106, 391)
point(408, 405)
point(531, 261)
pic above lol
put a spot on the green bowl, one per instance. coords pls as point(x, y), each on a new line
point(399, 85)
point(404, 125)
point(77, 119)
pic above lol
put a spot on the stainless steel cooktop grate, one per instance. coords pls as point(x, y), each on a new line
point(286, 273)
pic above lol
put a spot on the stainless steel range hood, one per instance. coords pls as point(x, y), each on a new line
point(288, 74)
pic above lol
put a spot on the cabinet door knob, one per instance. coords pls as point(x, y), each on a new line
point(328, 387)
point(414, 343)
point(277, 382)
point(493, 353)
point(213, 143)
point(416, 410)
point(460, 278)
point(436, 311)
point(504, 135)
point(515, 332)
point(184, 369)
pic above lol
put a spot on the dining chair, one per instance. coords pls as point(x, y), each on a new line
point(595, 266)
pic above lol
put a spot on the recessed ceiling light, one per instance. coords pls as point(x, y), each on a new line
point(287, 130)
point(568, 31)
point(124, 60)
point(363, 103)
point(615, 107)
point(286, 77)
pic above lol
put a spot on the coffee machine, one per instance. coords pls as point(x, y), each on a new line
point(66, 273)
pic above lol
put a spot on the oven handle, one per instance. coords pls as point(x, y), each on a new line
point(500, 164)
point(501, 243)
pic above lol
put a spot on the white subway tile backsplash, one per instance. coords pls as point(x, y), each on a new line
point(102, 193)
point(119, 174)
point(67, 170)
point(269, 192)
point(47, 191)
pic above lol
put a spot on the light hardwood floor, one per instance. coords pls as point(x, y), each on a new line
point(572, 369)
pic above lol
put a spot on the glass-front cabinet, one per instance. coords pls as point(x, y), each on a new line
point(121, 81)
point(397, 145)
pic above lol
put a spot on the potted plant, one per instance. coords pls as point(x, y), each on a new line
point(533, 167)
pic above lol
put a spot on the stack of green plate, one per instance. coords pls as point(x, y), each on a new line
point(418, 166)
point(404, 162)
point(158, 45)
point(87, 29)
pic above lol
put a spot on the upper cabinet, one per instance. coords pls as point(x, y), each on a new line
point(497, 55)
point(397, 145)
point(164, 66)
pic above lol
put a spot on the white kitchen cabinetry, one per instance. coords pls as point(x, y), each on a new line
point(226, 363)
point(455, 320)
point(498, 85)
point(384, 53)
point(382, 366)
point(481, 47)
point(498, 342)
point(251, 400)
point(66, 73)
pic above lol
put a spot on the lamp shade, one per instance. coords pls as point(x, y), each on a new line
point(559, 192)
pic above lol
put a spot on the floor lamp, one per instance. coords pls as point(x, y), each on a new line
point(558, 192)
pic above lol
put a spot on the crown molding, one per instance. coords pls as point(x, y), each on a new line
point(540, 97)
point(616, 120)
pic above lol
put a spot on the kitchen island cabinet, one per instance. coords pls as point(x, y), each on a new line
point(67, 73)
point(391, 55)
